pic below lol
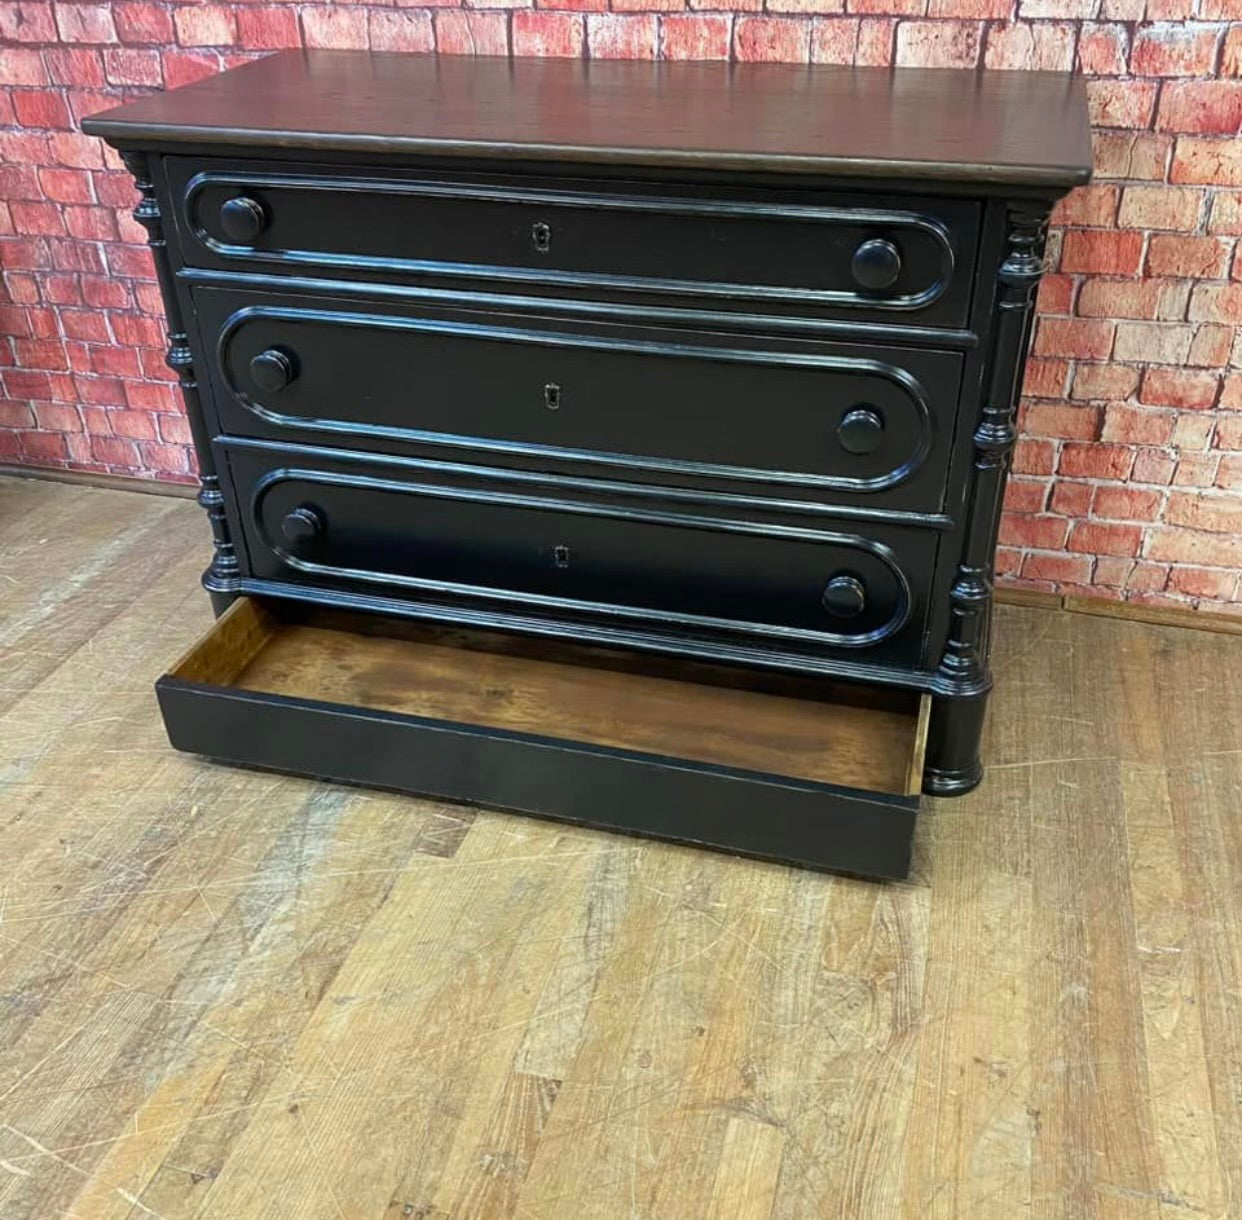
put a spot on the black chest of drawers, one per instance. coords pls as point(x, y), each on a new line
point(617, 442)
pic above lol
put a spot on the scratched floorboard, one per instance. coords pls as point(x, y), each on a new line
point(231, 996)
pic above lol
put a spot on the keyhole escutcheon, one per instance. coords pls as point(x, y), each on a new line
point(541, 235)
point(552, 396)
point(560, 556)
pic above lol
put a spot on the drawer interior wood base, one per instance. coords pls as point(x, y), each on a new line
point(827, 776)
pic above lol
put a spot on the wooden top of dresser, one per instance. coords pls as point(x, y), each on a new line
point(947, 125)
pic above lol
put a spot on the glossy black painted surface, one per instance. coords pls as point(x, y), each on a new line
point(802, 250)
point(535, 546)
point(823, 422)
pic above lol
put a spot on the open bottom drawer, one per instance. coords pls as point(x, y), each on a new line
point(798, 770)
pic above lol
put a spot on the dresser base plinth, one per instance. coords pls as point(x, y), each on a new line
point(955, 733)
point(952, 783)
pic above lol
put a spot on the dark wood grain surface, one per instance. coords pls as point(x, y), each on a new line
point(1027, 128)
point(847, 744)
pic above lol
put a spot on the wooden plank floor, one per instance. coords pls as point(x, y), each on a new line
point(236, 996)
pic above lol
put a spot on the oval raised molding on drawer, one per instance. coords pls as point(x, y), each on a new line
point(516, 542)
point(657, 405)
point(758, 250)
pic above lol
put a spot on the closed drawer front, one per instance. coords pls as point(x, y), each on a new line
point(790, 419)
point(761, 251)
point(519, 544)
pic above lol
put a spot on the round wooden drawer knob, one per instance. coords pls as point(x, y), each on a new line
point(242, 219)
point(861, 430)
point(876, 264)
point(844, 596)
point(303, 524)
point(273, 369)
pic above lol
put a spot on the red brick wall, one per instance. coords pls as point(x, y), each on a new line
point(1129, 476)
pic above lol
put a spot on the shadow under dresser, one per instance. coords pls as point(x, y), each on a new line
point(615, 442)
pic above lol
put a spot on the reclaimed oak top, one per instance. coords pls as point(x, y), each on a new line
point(947, 125)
